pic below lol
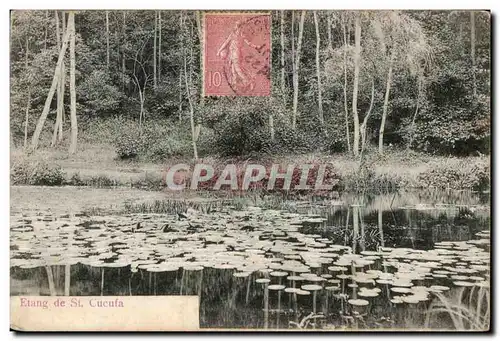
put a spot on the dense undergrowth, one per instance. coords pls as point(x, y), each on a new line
point(112, 145)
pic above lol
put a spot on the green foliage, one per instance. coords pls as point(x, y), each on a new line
point(241, 127)
point(129, 144)
point(154, 141)
point(465, 175)
point(450, 119)
point(38, 173)
point(98, 96)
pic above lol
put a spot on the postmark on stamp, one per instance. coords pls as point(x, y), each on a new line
point(237, 54)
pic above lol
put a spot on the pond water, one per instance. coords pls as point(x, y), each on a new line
point(410, 260)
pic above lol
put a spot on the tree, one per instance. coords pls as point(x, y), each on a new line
point(159, 46)
point(296, 64)
point(155, 82)
point(194, 132)
point(28, 101)
point(403, 39)
point(107, 40)
point(473, 51)
point(58, 126)
point(318, 73)
point(55, 81)
point(357, 58)
point(72, 86)
point(282, 54)
point(346, 110)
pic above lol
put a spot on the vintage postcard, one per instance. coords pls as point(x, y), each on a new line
point(292, 170)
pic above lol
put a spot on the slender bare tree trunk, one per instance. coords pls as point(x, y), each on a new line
point(72, 89)
point(63, 77)
point(180, 94)
point(55, 81)
point(202, 95)
point(318, 73)
point(296, 70)
point(26, 118)
point(473, 51)
point(123, 53)
point(28, 101)
point(107, 40)
point(188, 95)
point(57, 134)
point(181, 67)
point(293, 50)
point(159, 46)
point(346, 110)
point(191, 111)
point(386, 105)
point(357, 57)
point(282, 54)
point(365, 120)
point(155, 82)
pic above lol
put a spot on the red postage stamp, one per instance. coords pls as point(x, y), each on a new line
point(237, 54)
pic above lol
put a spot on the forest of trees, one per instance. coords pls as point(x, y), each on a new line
point(342, 81)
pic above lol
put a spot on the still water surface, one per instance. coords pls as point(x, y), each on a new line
point(403, 261)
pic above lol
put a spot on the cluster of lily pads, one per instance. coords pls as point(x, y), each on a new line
point(263, 246)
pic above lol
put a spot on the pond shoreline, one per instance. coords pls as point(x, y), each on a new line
point(97, 166)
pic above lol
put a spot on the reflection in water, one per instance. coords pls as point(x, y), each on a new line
point(364, 262)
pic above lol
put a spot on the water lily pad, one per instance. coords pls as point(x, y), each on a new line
point(276, 287)
point(311, 287)
point(358, 302)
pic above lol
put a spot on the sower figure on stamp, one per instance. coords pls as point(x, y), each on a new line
point(232, 50)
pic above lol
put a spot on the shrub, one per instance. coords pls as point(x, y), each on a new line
point(154, 141)
point(76, 180)
point(38, 173)
point(463, 174)
point(128, 145)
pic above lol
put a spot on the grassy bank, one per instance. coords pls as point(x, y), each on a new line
point(97, 165)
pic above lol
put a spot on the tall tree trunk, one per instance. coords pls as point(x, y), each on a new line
point(191, 110)
point(55, 81)
point(318, 73)
point(188, 95)
point(155, 81)
point(365, 120)
point(296, 70)
point(72, 89)
point(123, 52)
point(202, 95)
point(28, 100)
point(57, 133)
point(357, 57)
point(386, 105)
point(473, 51)
point(26, 118)
point(159, 46)
point(63, 77)
point(107, 40)
point(346, 110)
point(180, 94)
point(282, 54)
